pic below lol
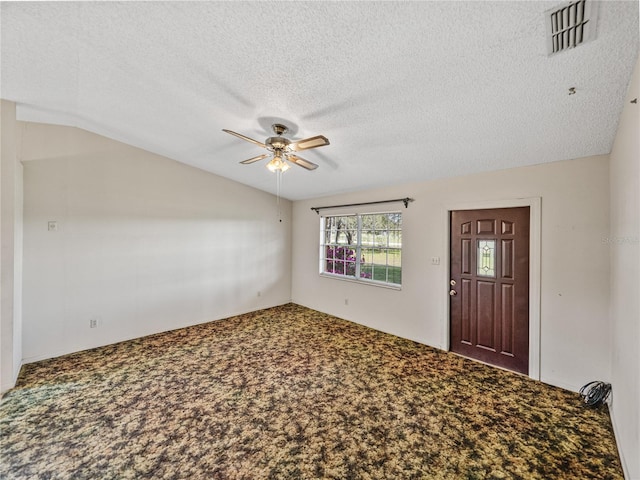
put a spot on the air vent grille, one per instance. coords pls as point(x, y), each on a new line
point(570, 25)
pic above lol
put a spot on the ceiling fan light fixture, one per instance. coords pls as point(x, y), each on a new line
point(277, 163)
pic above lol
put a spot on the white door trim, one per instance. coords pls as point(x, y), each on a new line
point(534, 204)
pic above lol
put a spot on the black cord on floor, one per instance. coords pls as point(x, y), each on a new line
point(595, 393)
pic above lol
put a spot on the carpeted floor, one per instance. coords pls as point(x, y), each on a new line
point(290, 393)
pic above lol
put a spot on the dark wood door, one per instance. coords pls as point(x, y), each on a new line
point(489, 287)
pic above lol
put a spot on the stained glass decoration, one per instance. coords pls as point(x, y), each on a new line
point(486, 258)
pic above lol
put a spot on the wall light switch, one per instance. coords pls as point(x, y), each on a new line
point(435, 260)
point(52, 226)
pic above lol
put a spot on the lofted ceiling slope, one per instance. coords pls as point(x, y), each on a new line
point(404, 91)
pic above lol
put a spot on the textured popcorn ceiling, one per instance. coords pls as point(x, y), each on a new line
point(404, 91)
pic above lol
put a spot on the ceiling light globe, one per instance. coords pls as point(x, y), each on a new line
point(272, 165)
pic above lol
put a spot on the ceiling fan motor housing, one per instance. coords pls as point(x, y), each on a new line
point(276, 143)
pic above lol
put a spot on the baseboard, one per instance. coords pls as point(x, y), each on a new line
point(5, 388)
point(625, 469)
point(561, 384)
point(16, 373)
point(12, 383)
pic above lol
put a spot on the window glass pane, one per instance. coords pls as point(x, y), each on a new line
point(347, 237)
point(368, 238)
point(330, 223)
point(329, 237)
point(381, 238)
point(394, 220)
point(334, 266)
point(395, 239)
point(394, 257)
point(395, 275)
point(365, 271)
point(329, 252)
point(350, 268)
point(367, 255)
point(486, 258)
point(350, 222)
point(368, 222)
point(345, 228)
point(377, 256)
point(344, 253)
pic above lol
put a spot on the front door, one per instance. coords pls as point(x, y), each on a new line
point(489, 286)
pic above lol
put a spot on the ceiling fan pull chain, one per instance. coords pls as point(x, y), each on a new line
point(278, 187)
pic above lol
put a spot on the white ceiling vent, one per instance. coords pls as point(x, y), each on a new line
point(570, 25)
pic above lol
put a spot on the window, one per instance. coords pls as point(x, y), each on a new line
point(486, 258)
point(364, 247)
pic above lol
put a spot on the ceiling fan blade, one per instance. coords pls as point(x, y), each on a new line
point(302, 162)
point(239, 135)
point(255, 159)
point(307, 143)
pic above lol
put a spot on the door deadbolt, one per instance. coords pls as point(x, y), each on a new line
point(452, 283)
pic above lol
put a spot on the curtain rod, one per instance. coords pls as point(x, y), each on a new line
point(405, 200)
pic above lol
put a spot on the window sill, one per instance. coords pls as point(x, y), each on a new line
point(361, 282)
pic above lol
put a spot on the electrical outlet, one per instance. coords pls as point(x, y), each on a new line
point(435, 260)
point(259, 293)
point(52, 226)
point(93, 323)
point(346, 301)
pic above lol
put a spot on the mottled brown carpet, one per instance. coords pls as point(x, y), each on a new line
point(290, 393)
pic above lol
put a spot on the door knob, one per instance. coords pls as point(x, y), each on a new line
point(453, 293)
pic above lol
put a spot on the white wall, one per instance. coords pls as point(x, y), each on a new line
point(144, 244)
point(574, 266)
point(624, 243)
point(11, 250)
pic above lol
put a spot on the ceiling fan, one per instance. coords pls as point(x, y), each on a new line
point(283, 149)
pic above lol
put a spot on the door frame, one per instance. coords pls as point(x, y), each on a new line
point(534, 204)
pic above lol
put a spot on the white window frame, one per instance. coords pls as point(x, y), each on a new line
point(358, 252)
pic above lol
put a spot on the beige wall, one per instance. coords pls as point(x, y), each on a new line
point(624, 244)
point(11, 248)
point(143, 243)
point(574, 299)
